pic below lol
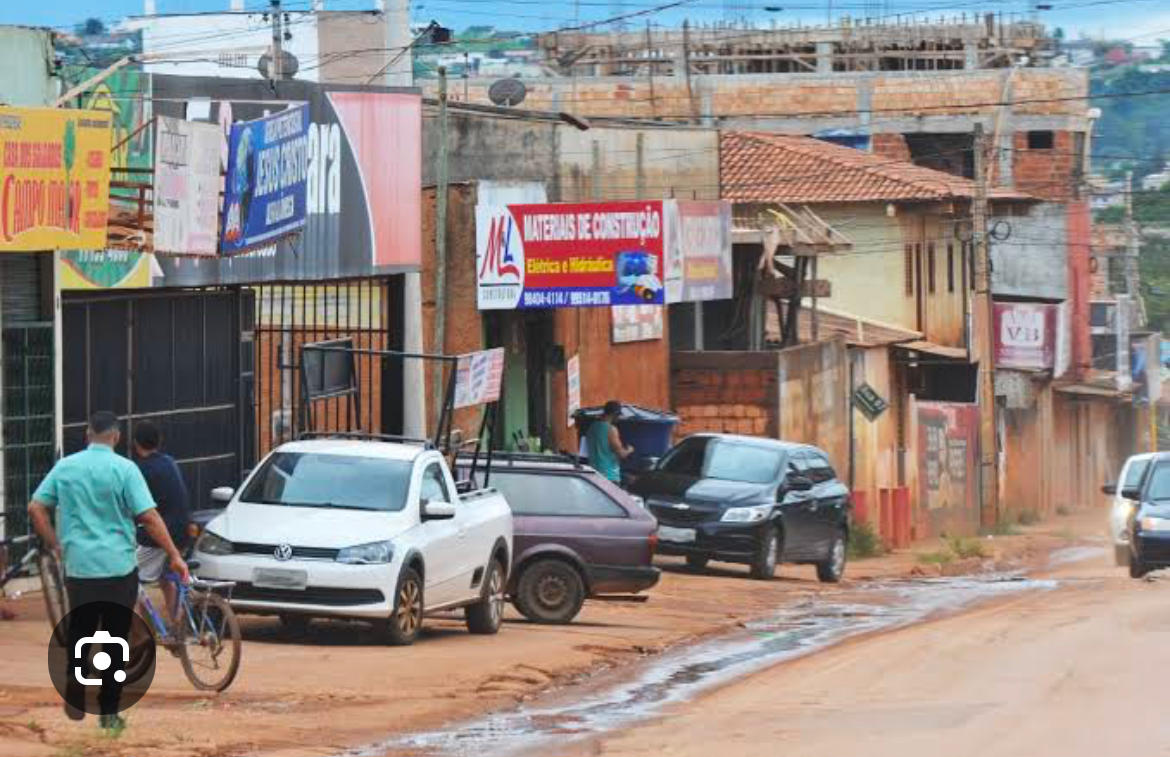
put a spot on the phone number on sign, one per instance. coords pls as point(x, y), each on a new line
point(557, 299)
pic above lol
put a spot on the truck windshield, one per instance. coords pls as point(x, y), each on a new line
point(706, 457)
point(307, 479)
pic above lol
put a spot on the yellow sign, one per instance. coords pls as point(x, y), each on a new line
point(54, 179)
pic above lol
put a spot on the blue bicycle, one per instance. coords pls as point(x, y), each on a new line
point(204, 634)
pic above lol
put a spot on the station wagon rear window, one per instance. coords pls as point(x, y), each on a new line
point(309, 479)
point(534, 494)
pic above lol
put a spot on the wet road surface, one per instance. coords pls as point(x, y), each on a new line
point(1080, 670)
point(629, 700)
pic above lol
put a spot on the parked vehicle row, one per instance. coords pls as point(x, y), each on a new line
point(1143, 496)
point(386, 532)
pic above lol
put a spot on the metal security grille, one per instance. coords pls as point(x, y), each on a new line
point(289, 316)
point(182, 358)
point(28, 399)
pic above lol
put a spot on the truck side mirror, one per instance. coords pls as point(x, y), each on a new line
point(1110, 489)
point(437, 510)
point(221, 495)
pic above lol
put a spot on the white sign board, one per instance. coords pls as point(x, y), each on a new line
point(636, 323)
point(574, 376)
point(186, 187)
point(478, 377)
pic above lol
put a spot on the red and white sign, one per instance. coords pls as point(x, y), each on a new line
point(1026, 335)
point(637, 323)
point(478, 377)
point(573, 377)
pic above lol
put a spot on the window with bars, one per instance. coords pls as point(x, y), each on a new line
point(950, 267)
point(908, 265)
point(930, 267)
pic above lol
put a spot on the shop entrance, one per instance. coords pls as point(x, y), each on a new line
point(531, 358)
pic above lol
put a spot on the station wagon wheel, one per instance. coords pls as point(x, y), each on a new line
point(550, 591)
point(406, 618)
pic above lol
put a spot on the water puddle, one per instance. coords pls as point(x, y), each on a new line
point(683, 673)
point(1075, 554)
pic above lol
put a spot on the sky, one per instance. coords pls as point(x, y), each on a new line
point(1142, 20)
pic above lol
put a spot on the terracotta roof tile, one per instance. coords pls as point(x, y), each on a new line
point(764, 168)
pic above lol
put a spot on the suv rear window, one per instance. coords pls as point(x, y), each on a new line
point(551, 494)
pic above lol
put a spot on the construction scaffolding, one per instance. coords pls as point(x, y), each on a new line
point(885, 44)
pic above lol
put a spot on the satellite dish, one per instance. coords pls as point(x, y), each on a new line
point(288, 68)
point(507, 92)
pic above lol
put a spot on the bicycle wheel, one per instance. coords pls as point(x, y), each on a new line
point(53, 587)
point(211, 644)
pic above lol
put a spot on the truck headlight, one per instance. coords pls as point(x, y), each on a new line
point(213, 544)
point(753, 514)
point(374, 553)
point(1150, 523)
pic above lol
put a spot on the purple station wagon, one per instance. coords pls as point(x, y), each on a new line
point(577, 536)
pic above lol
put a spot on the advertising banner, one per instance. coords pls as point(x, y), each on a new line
point(186, 187)
point(1026, 335)
point(267, 176)
point(698, 251)
point(125, 96)
point(573, 379)
point(569, 255)
point(478, 377)
point(54, 179)
point(636, 323)
point(363, 198)
point(948, 465)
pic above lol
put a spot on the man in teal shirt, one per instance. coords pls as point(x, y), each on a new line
point(98, 497)
point(606, 449)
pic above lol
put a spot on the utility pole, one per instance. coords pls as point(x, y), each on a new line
point(984, 341)
point(441, 238)
point(274, 70)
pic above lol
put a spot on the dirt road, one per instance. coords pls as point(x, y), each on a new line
point(339, 688)
point(1077, 670)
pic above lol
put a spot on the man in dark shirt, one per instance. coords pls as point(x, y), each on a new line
point(169, 492)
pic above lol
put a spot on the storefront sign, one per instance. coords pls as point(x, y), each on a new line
point(569, 255)
point(363, 199)
point(186, 187)
point(636, 323)
point(54, 179)
point(478, 377)
point(1026, 335)
point(573, 374)
point(698, 251)
point(267, 176)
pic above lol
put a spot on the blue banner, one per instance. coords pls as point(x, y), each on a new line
point(264, 193)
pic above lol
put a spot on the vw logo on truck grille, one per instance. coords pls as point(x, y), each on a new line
point(283, 552)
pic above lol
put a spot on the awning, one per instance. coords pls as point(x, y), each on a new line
point(1094, 390)
point(930, 348)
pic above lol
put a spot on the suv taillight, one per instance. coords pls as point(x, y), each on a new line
point(653, 542)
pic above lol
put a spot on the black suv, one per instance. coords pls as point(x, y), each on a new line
point(748, 500)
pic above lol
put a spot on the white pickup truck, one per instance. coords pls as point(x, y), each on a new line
point(373, 530)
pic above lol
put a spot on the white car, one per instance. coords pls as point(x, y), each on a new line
point(370, 530)
point(1122, 508)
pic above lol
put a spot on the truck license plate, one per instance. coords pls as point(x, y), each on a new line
point(275, 578)
point(676, 535)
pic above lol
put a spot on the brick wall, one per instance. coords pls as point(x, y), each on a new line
point(891, 146)
point(1046, 173)
point(732, 393)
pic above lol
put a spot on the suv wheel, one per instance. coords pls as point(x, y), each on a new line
point(767, 555)
point(1137, 568)
point(832, 568)
point(405, 621)
point(550, 591)
point(697, 562)
point(486, 615)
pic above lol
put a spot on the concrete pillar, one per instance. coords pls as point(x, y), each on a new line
point(824, 57)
